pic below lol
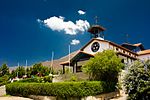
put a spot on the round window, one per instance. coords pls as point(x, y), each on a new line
point(95, 46)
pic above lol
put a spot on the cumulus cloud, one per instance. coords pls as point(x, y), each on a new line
point(69, 27)
point(81, 12)
point(75, 42)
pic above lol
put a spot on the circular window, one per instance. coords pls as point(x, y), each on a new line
point(95, 47)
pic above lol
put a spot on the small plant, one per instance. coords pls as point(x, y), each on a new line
point(74, 78)
point(48, 79)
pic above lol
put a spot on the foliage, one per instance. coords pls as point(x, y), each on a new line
point(67, 70)
point(4, 80)
point(63, 89)
point(36, 70)
point(74, 78)
point(48, 79)
point(21, 71)
point(105, 66)
point(37, 80)
point(4, 70)
point(13, 74)
point(137, 81)
point(28, 72)
point(31, 80)
point(40, 70)
point(4, 75)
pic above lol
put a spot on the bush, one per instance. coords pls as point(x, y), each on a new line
point(37, 80)
point(74, 78)
point(4, 83)
point(48, 79)
point(137, 81)
point(4, 80)
point(105, 66)
point(31, 80)
point(62, 89)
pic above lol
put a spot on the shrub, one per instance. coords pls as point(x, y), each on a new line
point(48, 79)
point(105, 66)
point(137, 81)
point(62, 89)
point(31, 80)
point(37, 80)
point(4, 80)
point(4, 83)
point(74, 78)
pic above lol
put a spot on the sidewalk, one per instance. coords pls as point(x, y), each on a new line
point(14, 98)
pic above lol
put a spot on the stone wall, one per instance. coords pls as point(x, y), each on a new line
point(105, 96)
point(2, 90)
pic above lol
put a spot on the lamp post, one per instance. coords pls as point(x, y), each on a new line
point(52, 58)
point(17, 71)
point(69, 57)
point(26, 68)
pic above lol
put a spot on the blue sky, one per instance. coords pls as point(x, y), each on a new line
point(24, 35)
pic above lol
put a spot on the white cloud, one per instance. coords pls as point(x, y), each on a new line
point(39, 21)
point(69, 27)
point(81, 12)
point(75, 42)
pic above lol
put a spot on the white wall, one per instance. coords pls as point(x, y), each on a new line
point(103, 46)
point(144, 57)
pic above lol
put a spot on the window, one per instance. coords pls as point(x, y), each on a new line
point(122, 60)
point(130, 54)
point(124, 52)
point(116, 49)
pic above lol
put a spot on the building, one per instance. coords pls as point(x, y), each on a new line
point(144, 55)
point(128, 52)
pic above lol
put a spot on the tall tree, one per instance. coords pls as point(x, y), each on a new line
point(20, 71)
point(13, 74)
point(39, 69)
point(28, 72)
point(4, 70)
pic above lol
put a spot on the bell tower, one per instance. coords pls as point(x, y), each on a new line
point(96, 30)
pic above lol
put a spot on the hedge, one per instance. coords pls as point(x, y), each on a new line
point(62, 89)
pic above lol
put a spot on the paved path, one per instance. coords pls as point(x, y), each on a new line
point(123, 96)
point(14, 98)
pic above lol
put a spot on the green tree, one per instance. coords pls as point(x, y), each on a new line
point(40, 70)
point(4, 70)
point(28, 72)
point(105, 66)
point(20, 71)
point(137, 81)
point(13, 74)
point(4, 80)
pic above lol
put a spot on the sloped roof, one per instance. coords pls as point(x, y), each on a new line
point(144, 52)
point(76, 56)
point(110, 43)
point(134, 45)
point(137, 45)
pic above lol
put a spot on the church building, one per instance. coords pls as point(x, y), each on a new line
point(128, 52)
